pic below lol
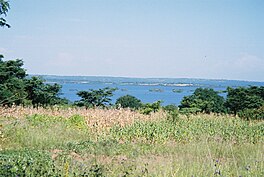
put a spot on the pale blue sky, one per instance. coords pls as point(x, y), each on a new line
point(221, 39)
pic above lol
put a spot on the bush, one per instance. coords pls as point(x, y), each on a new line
point(128, 101)
point(173, 112)
point(252, 114)
point(188, 111)
point(77, 121)
point(26, 163)
point(150, 107)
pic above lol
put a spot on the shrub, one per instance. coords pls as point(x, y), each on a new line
point(77, 121)
point(188, 111)
point(26, 163)
point(150, 107)
point(252, 114)
point(173, 112)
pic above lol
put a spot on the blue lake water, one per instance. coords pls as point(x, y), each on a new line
point(147, 90)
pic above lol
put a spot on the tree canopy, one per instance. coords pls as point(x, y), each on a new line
point(128, 101)
point(4, 7)
point(242, 98)
point(204, 100)
point(17, 88)
point(95, 98)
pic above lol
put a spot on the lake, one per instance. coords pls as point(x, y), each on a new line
point(169, 90)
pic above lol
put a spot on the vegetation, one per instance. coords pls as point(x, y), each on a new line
point(95, 98)
point(239, 99)
point(16, 88)
point(150, 107)
point(4, 7)
point(41, 137)
point(204, 100)
point(76, 142)
point(128, 101)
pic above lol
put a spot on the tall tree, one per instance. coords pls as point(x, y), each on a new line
point(41, 94)
point(4, 7)
point(12, 77)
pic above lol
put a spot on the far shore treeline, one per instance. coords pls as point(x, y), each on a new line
point(18, 89)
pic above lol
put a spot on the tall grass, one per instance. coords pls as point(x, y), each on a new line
point(97, 142)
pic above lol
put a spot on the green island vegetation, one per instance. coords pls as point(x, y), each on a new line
point(177, 90)
point(156, 90)
point(42, 134)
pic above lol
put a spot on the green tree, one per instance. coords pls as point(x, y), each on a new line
point(95, 98)
point(15, 88)
point(12, 78)
point(242, 98)
point(4, 7)
point(128, 101)
point(203, 100)
point(43, 94)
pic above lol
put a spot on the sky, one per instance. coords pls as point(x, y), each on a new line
point(211, 39)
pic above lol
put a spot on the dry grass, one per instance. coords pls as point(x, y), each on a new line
point(100, 119)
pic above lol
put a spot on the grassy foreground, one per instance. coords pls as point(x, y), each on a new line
point(94, 142)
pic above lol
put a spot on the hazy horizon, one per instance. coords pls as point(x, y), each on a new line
point(128, 77)
point(206, 39)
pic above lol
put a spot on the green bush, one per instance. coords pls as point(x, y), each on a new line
point(252, 114)
point(77, 121)
point(39, 119)
point(188, 111)
point(26, 163)
point(173, 112)
point(150, 107)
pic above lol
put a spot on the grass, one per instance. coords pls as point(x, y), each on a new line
point(94, 142)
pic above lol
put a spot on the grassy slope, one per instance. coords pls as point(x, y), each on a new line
point(124, 143)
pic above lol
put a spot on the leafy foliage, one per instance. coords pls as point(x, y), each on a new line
point(206, 100)
point(128, 101)
point(4, 7)
point(150, 107)
point(12, 78)
point(95, 98)
point(26, 163)
point(15, 88)
point(173, 112)
point(242, 98)
point(43, 94)
point(252, 114)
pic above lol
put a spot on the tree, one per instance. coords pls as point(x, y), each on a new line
point(43, 94)
point(95, 98)
point(12, 78)
point(242, 98)
point(128, 101)
point(204, 100)
point(15, 88)
point(4, 7)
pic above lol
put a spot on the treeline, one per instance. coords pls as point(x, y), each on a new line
point(18, 89)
